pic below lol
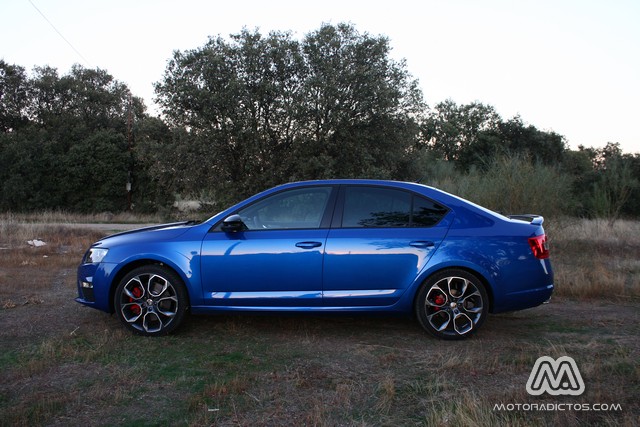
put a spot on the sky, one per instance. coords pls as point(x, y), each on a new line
point(568, 66)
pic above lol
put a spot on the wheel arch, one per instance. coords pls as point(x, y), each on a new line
point(129, 267)
point(476, 272)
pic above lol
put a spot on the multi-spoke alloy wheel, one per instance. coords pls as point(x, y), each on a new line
point(151, 300)
point(452, 304)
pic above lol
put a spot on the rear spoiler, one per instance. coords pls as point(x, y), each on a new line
point(532, 219)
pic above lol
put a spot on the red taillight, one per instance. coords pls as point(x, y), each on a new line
point(539, 246)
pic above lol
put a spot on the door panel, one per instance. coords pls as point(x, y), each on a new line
point(375, 266)
point(380, 241)
point(263, 268)
point(277, 260)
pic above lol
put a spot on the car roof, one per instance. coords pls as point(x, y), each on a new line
point(380, 182)
point(451, 201)
point(448, 199)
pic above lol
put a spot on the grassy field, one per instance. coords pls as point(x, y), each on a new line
point(64, 364)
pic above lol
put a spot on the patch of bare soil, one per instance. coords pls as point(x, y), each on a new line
point(31, 315)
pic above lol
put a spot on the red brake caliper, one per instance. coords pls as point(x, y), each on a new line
point(438, 300)
point(137, 292)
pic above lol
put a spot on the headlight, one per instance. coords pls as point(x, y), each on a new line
point(95, 255)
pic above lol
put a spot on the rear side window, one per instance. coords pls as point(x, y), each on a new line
point(384, 207)
point(376, 207)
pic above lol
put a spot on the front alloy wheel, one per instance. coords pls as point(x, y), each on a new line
point(452, 304)
point(151, 300)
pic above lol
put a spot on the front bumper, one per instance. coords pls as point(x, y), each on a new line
point(93, 282)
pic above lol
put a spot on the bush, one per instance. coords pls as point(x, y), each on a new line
point(510, 185)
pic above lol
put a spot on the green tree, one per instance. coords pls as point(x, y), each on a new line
point(516, 137)
point(85, 100)
point(231, 105)
point(578, 164)
point(362, 109)
point(72, 143)
point(150, 193)
point(474, 135)
point(615, 182)
point(254, 111)
point(632, 207)
point(13, 97)
point(455, 131)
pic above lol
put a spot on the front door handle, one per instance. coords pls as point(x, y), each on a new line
point(308, 245)
point(422, 244)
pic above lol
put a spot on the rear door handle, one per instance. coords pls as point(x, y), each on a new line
point(422, 244)
point(308, 245)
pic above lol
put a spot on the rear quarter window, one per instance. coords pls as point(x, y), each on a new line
point(427, 213)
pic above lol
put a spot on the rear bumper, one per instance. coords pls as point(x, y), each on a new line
point(525, 299)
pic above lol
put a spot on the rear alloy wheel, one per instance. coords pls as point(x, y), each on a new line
point(151, 300)
point(452, 304)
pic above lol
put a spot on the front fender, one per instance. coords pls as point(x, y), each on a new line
point(106, 275)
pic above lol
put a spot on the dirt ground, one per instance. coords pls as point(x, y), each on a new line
point(298, 370)
point(28, 315)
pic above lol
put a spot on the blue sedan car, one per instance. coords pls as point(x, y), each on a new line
point(326, 246)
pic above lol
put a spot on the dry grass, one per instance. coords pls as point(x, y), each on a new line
point(15, 233)
point(63, 364)
point(593, 259)
point(63, 217)
point(26, 271)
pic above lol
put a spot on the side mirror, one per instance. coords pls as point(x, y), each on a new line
point(233, 224)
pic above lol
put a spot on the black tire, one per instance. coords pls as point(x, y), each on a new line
point(151, 300)
point(452, 304)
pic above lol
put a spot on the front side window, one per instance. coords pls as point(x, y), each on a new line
point(385, 207)
point(292, 209)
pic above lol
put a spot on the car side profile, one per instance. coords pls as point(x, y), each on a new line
point(326, 246)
